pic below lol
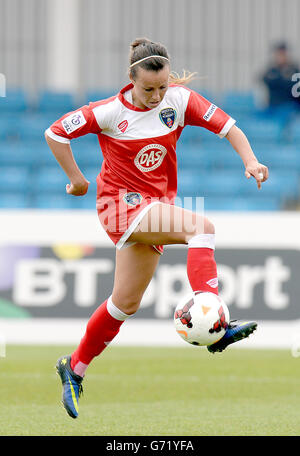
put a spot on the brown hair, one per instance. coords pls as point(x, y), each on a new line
point(143, 47)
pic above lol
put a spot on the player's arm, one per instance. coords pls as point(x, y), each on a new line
point(63, 153)
point(203, 113)
point(59, 136)
point(240, 143)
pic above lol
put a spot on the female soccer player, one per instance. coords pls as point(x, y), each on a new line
point(138, 130)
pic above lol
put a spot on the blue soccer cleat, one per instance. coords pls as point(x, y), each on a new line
point(72, 387)
point(236, 331)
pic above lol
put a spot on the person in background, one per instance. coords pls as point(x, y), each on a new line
point(278, 80)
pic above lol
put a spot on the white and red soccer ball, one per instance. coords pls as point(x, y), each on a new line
point(201, 318)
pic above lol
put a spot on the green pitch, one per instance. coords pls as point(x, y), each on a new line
point(154, 391)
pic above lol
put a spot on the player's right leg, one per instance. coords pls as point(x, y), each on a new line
point(175, 225)
point(134, 269)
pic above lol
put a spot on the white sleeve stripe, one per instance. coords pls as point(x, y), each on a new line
point(57, 138)
point(230, 122)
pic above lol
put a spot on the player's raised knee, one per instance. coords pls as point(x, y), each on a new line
point(201, 225)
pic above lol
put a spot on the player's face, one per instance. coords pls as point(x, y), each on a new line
point(150, 87)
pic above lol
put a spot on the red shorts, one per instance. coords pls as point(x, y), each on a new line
point(120, 213)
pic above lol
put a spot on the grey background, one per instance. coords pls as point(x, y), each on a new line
point(226, 42)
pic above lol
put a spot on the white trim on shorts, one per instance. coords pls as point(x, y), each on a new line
point(122, 242)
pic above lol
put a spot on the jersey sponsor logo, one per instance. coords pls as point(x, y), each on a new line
point(123, 126)
point(168, 116)
point(150, 157)
point(73, 122)
point(132, 198)
point(210, 112)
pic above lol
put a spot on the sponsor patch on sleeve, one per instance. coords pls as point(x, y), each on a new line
point(210, 112)
point(73, 122)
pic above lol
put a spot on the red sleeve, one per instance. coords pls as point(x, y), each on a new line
point(74, 124)
point(202, 113)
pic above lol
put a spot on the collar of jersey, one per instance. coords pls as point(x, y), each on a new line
point(126, 103)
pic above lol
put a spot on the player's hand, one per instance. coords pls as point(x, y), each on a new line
point(78, 188)
point(258, 171)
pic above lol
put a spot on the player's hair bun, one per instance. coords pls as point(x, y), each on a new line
point(138, 42)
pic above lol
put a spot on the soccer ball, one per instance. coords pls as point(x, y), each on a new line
point(201, 318)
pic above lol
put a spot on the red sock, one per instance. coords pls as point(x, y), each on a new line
point(201, 265)
point(101, 329)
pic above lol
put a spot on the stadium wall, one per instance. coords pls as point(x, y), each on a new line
point(227, 43)
point(57, 267)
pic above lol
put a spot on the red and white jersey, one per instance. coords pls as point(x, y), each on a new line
point(139, 145)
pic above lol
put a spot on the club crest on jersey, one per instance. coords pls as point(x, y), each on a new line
point(123, 126)
point(132, 198)
point(150, 157)
point(168, 116)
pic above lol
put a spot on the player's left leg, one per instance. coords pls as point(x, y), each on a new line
point(134, 269)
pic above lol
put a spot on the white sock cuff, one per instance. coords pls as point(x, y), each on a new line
point(202, 240)
point(114, 311)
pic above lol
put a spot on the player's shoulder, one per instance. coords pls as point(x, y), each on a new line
point(106, 110)
point(178, 90)
point(178, 95)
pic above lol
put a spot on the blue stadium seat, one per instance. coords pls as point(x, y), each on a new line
point(279, 157)
point(58, 103)
point(242, 204)
point(24, 126)
point(237, 103)
point(261, 131)
point(196, 157)
point(193, 183)
point(53, 201)
point(87, 202)
point(226, 157)
point(190, 134)
point(209, 157)
point(91, 173)
point(49, 180)
point(98, 94)
point(64, 201)
point(14, 200)
point(281, 184)
point(41, 153)
point(30, 154)
point(87, 151)
point(207, 137)
point(14, 153)
point(8, 127)
point(15, 101)
point(14, 179)
point(295, 132)
point(32, 127)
